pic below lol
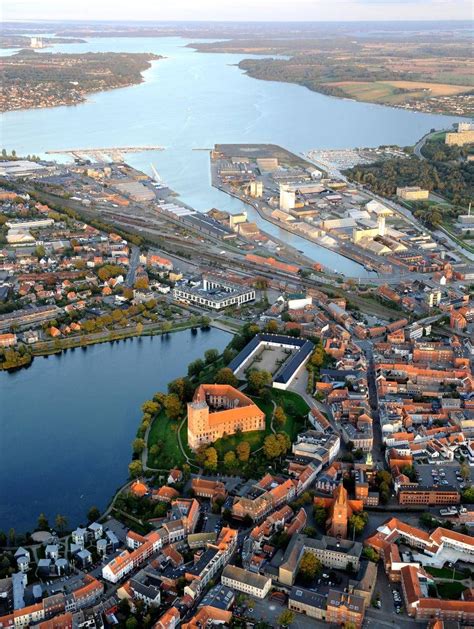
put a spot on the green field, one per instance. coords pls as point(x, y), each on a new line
point(450, 590)
point(162, 430)
point(295, 408)
point(445, 573)
point(255, 438)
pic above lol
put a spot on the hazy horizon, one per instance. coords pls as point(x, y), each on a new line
point(244, 11)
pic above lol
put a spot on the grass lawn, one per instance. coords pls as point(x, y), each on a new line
point(445, 573)
point(162, 430)
point(296, 411)
point(255, 437)
point(450, 590)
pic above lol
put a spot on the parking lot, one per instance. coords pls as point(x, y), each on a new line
point(447, 475)
point(269, 610)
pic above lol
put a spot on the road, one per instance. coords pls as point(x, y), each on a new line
point(132, 269)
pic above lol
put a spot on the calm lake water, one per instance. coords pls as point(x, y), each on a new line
point(67, 422)
point(193, 100)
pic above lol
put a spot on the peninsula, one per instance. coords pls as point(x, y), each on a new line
point(32, 80)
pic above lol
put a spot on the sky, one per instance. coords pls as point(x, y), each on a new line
point(238, 10)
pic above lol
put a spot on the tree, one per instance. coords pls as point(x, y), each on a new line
point(173, 406)
point(40, 252)
point(160, 510)
point(284, 442)
point(138, 445)
point(286, 618)
point(141, 283)
point(43, 523)
point(310, 567)
point(150, 407)
point(226, 376)
point(279, 416)
point(271, 447)
point(468, 495)
point(131, 623)
point(60, 522)
point(135, 469)
point(371, 554)
point(243, 451)
point(195, 368)
point(139, 328)
point(182, 387)
point(465, 471)
point(155, 450)
point(257, 380)
point(230, 459)
point(317, 357)
point(93, 514)
point(12, 537)
point(210, 462)
point(410, 471)
point(357, 522)
point(320, 515)
point(272, 327)
point(211, 355)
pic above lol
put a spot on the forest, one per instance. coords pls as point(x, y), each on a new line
point(445, 171)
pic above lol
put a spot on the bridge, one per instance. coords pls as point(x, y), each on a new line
point(101, 154)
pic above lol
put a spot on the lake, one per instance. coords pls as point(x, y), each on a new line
point(193, 100)
point(67, 422)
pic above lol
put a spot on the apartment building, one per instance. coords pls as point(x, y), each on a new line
point(245, 581)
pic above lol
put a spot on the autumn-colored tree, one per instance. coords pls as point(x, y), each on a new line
point(310, 567)
point(150, 407)
point(210, 462)
point(138, 445)
point(257, 380)
point(286, 618)
point(226, 376)
point(284, 442)
point(173, 406)
point(230, 460)
point(271, 447)
point(141, 283)
point(272, 327)
point(135, 469)
point(243, 451)
point(43, 523)
point(279, 416)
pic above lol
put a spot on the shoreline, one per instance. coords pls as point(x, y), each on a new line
point(326, 270)
point(153, 331)
point(86, 96)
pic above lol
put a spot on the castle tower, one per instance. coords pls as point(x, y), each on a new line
point(198, 420)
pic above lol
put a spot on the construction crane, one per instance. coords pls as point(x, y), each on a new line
point(156, 175)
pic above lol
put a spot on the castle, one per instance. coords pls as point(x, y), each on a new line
point(219, 409)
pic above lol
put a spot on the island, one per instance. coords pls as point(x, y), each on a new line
point(32, 80)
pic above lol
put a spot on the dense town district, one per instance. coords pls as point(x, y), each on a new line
point(317, 471)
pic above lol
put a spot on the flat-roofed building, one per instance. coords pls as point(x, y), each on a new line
point(413, 193)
